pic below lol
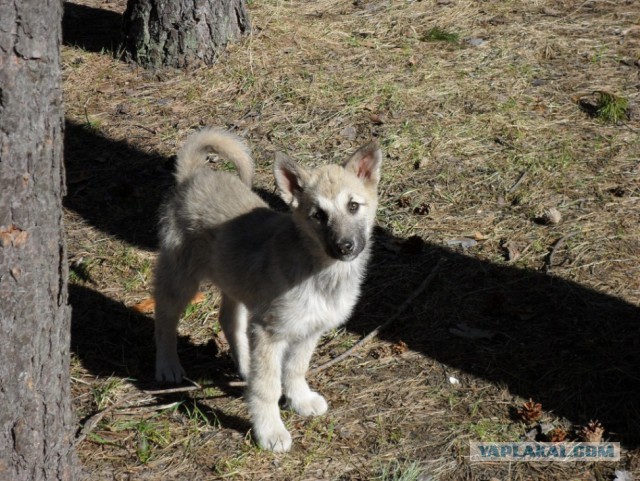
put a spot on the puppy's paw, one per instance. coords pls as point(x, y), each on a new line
point(169, 371)
point(275, 439)
point(312, 404)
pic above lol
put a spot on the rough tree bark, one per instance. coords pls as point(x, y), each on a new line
point(181, 33)
point(36, 422)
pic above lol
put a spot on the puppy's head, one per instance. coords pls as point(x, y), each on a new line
point(335, 206)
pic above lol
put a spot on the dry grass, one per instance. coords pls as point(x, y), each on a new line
point(480, 108)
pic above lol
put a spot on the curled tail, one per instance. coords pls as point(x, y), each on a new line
point(227, 145)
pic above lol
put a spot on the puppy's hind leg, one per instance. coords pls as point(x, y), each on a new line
point(300, 397)
point(173, 291)
point(233, 319)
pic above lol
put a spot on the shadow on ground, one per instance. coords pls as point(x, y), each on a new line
point(92, 29)
point(575, 350)
point(113, 340)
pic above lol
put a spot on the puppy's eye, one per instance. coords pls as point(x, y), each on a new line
point(353, 207)
point(320, 216)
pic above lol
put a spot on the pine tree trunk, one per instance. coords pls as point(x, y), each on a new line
point(36, 422)
point(181, 33)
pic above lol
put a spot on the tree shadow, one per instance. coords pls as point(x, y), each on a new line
point(115, 187)
point(569, 347)
point(574, 349)
point(113, 340)
point(92, 29)
point(119, 189)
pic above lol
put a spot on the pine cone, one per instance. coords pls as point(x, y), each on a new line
point(592, 432)
point(557, 435)
point(530, 411)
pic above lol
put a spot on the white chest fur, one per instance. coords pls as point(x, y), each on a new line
point(319, 303)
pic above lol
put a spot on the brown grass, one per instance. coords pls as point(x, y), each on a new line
point(460, 122)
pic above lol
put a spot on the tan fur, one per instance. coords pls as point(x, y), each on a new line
point(285, 278)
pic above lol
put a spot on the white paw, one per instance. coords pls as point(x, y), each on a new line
point(312, 404)
point(276, 439)
point(169, 371)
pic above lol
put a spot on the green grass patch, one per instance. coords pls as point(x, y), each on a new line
point(436, 34)
point(103, 393)
point(611, 108)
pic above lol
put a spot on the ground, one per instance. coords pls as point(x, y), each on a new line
point(510, 183)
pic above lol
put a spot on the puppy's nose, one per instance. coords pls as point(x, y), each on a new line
point(345, 247)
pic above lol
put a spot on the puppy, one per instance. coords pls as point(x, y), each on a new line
point(285, 278)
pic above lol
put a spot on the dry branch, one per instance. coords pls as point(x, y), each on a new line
point(517, 182)
point(93, 421)
point(548, 264)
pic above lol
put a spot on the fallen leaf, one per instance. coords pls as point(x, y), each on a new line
point(198, 298)
point(148, 304)
point(145, 306)
point(479, 236)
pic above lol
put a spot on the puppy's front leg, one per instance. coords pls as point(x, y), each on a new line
point(302, 400)
point(264, 389)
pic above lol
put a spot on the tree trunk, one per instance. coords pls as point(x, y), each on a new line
point(181, 33)
point(36, 425)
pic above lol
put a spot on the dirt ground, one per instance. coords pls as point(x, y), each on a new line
point(510, 183)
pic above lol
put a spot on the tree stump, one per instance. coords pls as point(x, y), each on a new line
point(181, 33)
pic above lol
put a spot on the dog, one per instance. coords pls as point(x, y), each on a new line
point(285, 278)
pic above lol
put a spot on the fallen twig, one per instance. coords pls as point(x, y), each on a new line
point(548, 263)
point(173, 390)
point(425, 283)
point(93, 421)
point(518, 182)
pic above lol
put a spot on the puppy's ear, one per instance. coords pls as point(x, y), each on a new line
point(366, 163)
point(290, 179)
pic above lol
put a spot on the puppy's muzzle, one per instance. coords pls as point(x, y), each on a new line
point(346, 249)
